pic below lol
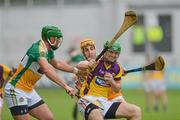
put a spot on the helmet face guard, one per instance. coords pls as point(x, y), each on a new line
point(56, 33)
point(53, 45)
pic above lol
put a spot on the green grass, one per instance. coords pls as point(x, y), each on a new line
point(62, 105)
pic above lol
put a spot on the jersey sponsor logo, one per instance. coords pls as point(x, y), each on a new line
point(101, 82)
point(21, 99)
point(42, 54)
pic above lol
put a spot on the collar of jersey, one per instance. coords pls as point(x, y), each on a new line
point(44, 45)
point(107, 66)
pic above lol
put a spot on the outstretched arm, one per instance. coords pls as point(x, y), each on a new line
point(49, 71)
point(62, 65)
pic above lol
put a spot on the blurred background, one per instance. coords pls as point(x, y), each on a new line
point(156, 33)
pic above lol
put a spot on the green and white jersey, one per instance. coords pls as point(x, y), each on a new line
point(29, 72)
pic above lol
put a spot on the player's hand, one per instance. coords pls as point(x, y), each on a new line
point(82, 73)
point(124, 74)
point(108, 77)
point(78, 85)
point(92, 63)
point(70, 91)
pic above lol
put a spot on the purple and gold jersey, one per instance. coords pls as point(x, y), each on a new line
point(4, 74)
point(112, 94)
point(84, 89)
point(97, 86)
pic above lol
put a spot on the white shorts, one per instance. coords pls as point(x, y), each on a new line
point(16, 98)
point(104, 104)
point(154, 85)
point(158, 85)
point(117, 99)
point(1, 102)
point(147, 86)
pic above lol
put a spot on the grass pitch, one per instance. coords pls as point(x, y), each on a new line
point(62, 105)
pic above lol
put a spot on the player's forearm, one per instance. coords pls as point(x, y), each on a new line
point(115, 86)
point(52, 75)
point(61, 65)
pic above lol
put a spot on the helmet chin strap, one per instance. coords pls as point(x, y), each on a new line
point(53, 44)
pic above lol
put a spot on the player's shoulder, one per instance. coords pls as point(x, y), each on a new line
point(36, 50)
point(5, 68)
point(37, 47)
point(117, 66)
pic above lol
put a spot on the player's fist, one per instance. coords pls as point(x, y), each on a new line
point(124, 73)
point(91, 63)
point(78, 84)
point(70, 91)
point(108, 77)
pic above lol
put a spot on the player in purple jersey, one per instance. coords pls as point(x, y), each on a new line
point(106, 75)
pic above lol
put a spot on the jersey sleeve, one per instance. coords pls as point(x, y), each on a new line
point(6, 72)
point(119, 73)
point(36, 52)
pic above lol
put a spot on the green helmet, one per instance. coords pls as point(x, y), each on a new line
point(115, 47)
point(54, 33)
point(46, 28)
